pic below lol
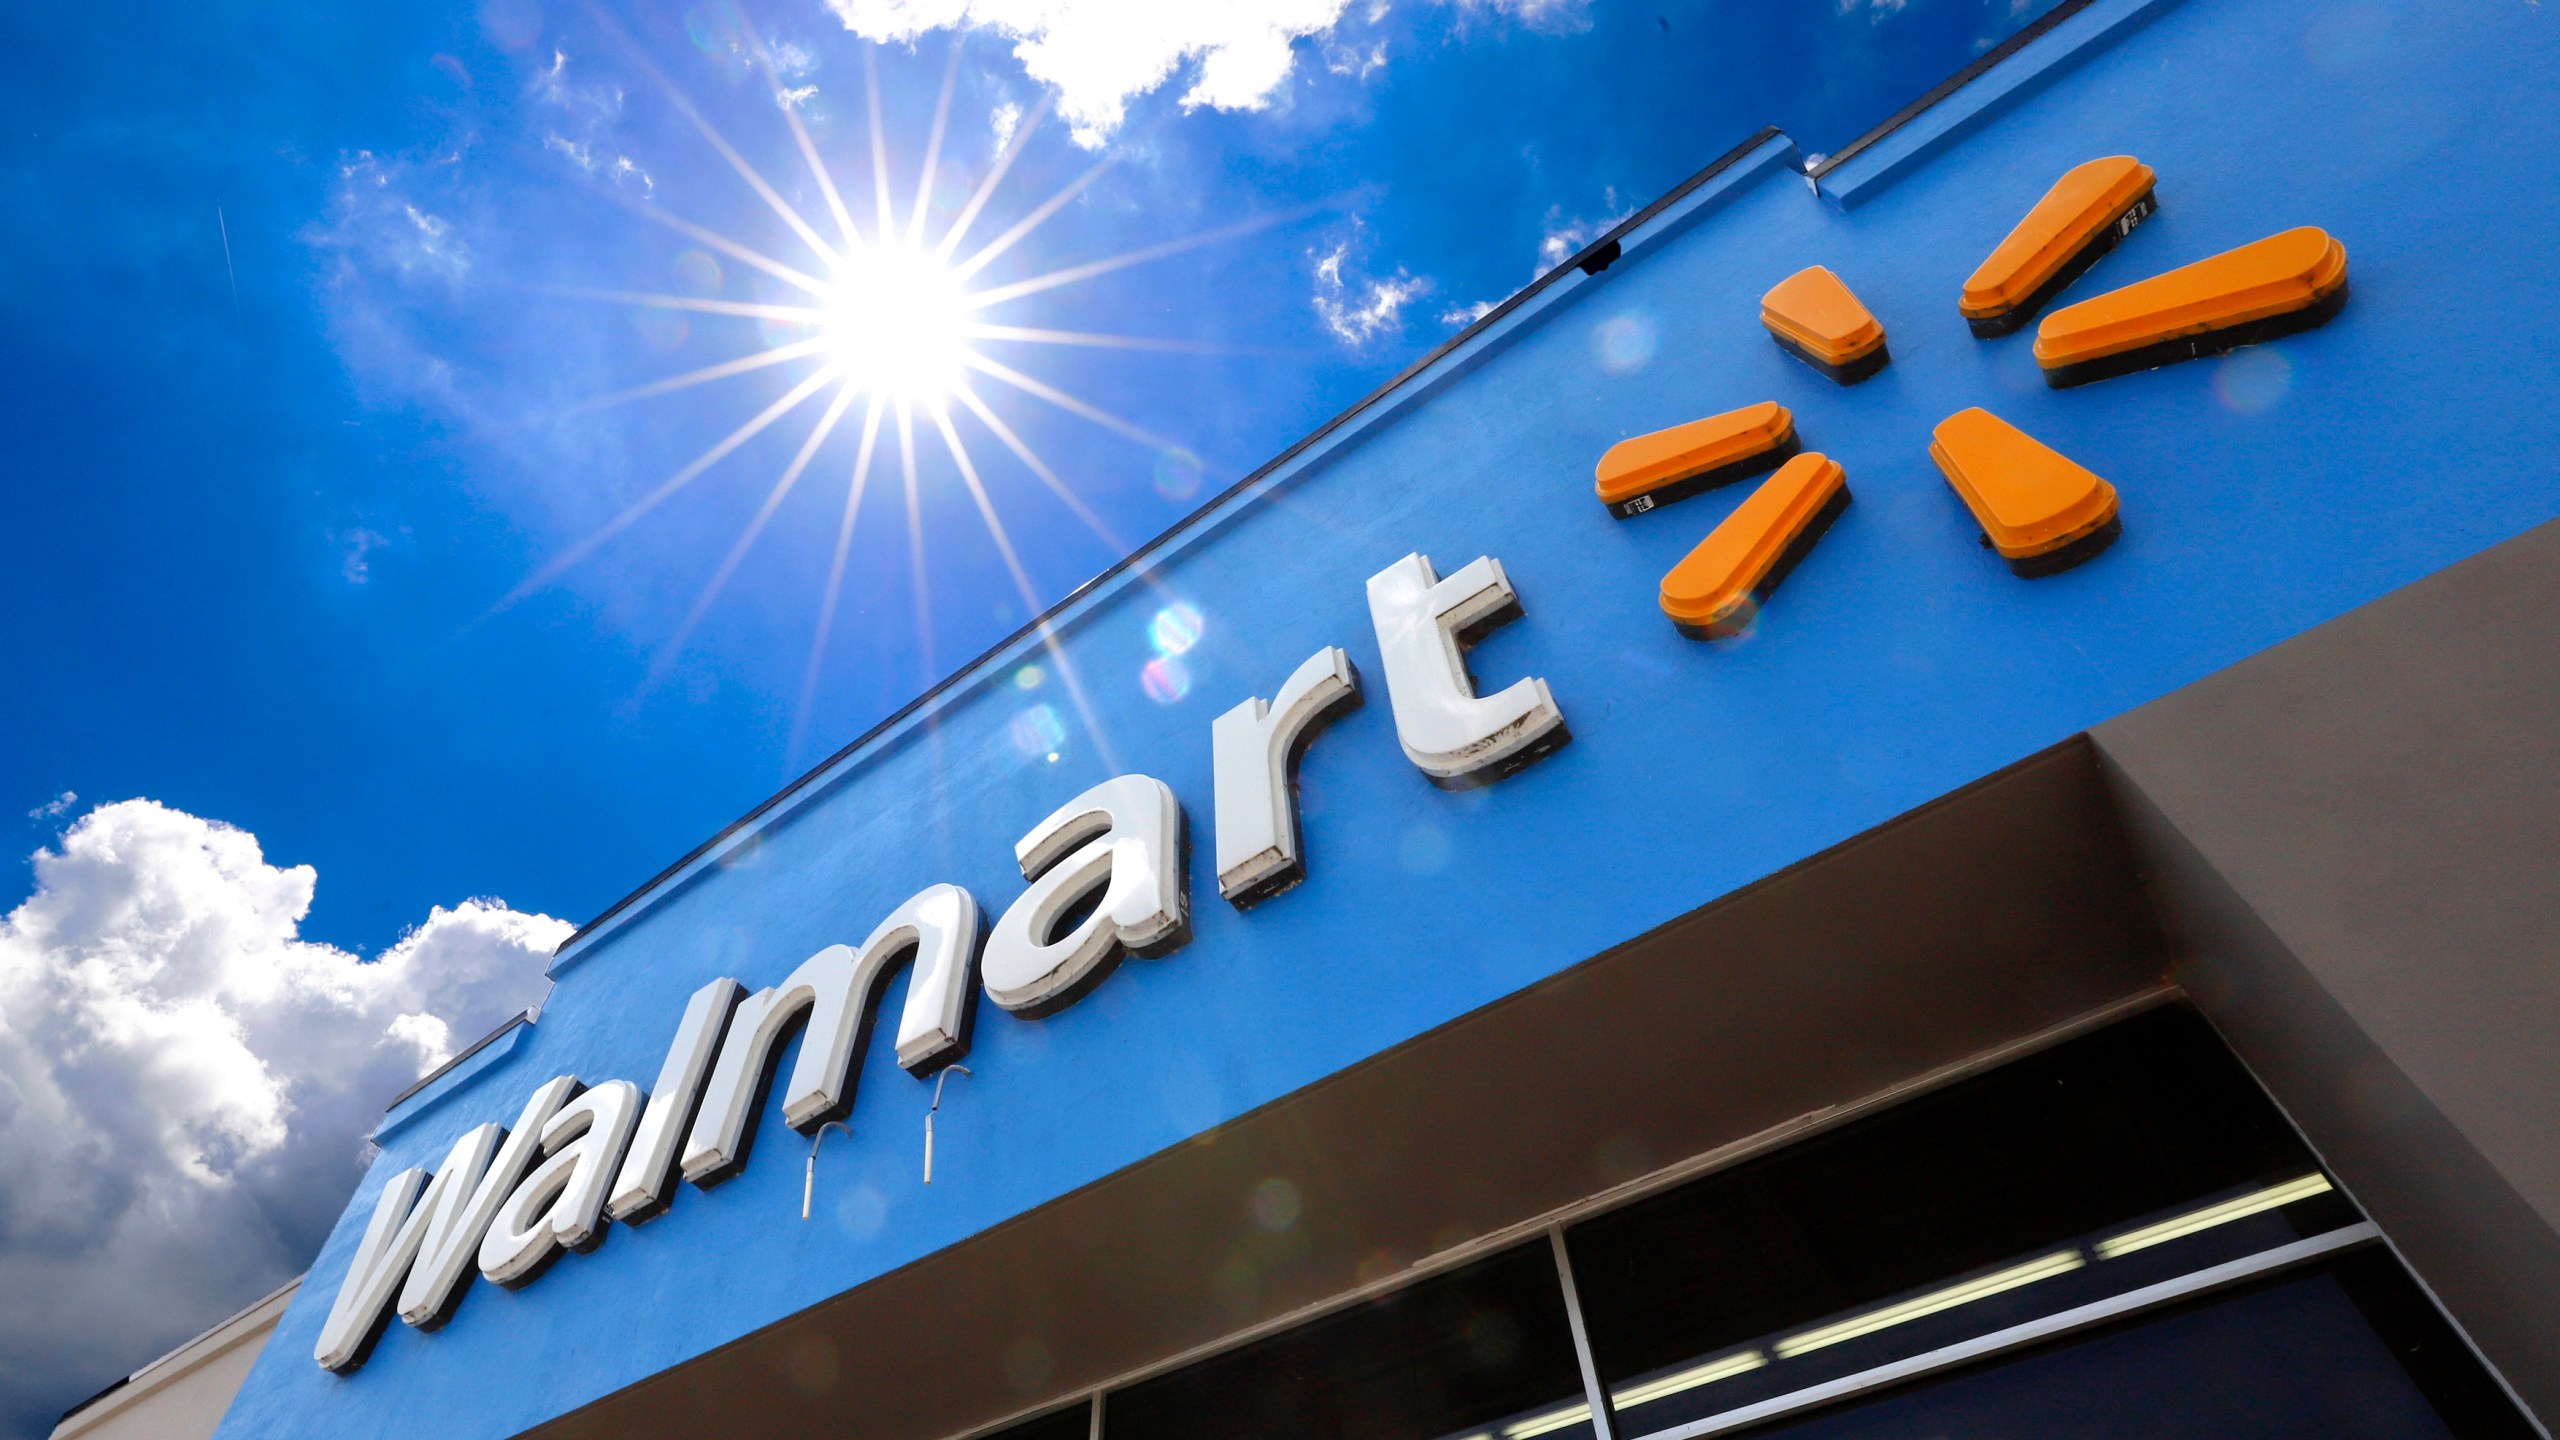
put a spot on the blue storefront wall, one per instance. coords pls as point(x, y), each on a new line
point(2261, 495)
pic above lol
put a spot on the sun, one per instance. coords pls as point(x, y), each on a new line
point(894, 321)
point(890, 329)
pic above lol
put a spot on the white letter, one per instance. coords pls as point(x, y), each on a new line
point(642, 1189)
point(444, 1261)
point(1422, 620)
point(556, 1207)
point(401, 1221)
point(1130, 831)
point(941, 925)
point(1254, 747)
point(822, 986)
point(838, 986)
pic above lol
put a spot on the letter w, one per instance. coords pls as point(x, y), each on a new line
point(418, 1246)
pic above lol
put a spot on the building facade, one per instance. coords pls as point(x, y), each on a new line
point(1427, 949)
point(184, 1394)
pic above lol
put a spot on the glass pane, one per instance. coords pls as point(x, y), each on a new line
point(1073, 1423)
point(2118, 1161)
point(1484, 1351)
point(2347, 1352)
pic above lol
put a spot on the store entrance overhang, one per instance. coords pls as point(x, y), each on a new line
point(2007, 911)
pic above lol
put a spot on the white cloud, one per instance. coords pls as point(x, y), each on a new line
point(590, 103)
point(373, 222)
point(1554, 17)
point(791, 60)
point(1564, 238)
point(1101, 54)
point(1354, 61)
point(594, 112)
point(55, 808)
point(620, 168)
point(1464, 315)
point(1004, 120)
point(355, 549)
point(186, 1082)
point(1356, 307)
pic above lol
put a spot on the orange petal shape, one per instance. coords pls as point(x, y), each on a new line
point(1643, 471)
point(2039, 510)
point(2091, 208)
point(1813, 315)
point(1716, 589)
point(2271, 287)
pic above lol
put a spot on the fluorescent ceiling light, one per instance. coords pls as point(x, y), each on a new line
point(2212, 1215)
point(1541, 1424)
point(2061, 1262)
point(1690, 1379)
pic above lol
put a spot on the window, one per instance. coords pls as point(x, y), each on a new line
point(1485, 1350)
point(1073, 1423)
point(2119, 1238)
point(2119, 1162)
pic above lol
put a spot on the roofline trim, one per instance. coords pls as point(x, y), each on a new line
point(521, 1017)
point(2027, 35)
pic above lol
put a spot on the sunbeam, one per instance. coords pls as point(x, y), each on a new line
point(773, 499)
point(915, 536)
point(978, 198)
point(1040, 468)
point(800, 138)
point(853, 491)
point(894, 321)
point(980, 299)
point(720, 144)
point(1073, 406)
point(933, 145)
point(1049, 478)
point(690, 378)
point(1035, 336)
point(879, 144)
point(807, 314)
point(669, 486)
point(1028, 223)
point(726, 246)
point(1022, 586)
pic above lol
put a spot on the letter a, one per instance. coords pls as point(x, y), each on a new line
point(1123, 837)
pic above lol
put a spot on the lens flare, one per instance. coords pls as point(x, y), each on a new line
point(1177, 474)
point(696, 273)
point(2253, 381)
point(1037, 732)
point(1624, 343)
point(1165, 679)
point(1175, 629)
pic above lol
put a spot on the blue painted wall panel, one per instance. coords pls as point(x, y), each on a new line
point(2262, 494)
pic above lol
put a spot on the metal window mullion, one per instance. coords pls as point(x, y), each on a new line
point(1601, 1426)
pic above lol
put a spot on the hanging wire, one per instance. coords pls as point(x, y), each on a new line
point(809, 1181)
point(929, 1113)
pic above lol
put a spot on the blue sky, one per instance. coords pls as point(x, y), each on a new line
point(255, 543)
point(304, 329)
